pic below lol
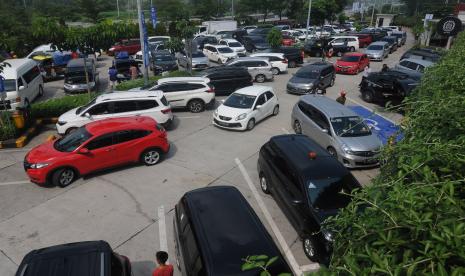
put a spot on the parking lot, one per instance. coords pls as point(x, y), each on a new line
point(132, 207)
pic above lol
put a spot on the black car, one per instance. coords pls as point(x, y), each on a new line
point(293, 55)
point(122, 66)
point(200, 41)
point(319, 47)
point(163, 61)
point(392, 85)
point(309, 185)
point(80, 258)
point(215, 229)
point(392, 42)
point(260, 31)
point(310, 78)
point(422, 53)
point(227, 79)
point(255, 43)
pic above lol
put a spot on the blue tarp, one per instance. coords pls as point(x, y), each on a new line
point(61, 58)
point(122, 55)
point(380, 125)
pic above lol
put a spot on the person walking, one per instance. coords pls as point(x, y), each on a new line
point(163, 269)
point(366, 71)
point(133, 71)
point(385, 68)
point(112, 73)
point(342, 98)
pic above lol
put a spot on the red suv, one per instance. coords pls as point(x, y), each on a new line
point(352, 63)
point(363, 39)
point(95, 146)
point(132, 46)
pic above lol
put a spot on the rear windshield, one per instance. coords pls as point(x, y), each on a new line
point(350, 58)
point(307, 74)
point(331, 193)
point(197, 55)
point(225, 50)
point(375, 47)
point(235, 44)
point(163, 58)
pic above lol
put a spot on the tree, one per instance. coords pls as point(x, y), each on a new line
point(92, 8)
point(274, 38)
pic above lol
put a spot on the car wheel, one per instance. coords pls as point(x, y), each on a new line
point(63, 177)
point(70, 130)
point(41, 91)
point(251, 124)
point(276, 110)
point(275, 71)
point(196, 106)
point(333, 80)
point(367, 96)
point(332, 152)
point(352, 49)
point(310, 249)
point(260, 78)
point(297, 127)
point(264, 184)
point(292, 64)
point(151, 157)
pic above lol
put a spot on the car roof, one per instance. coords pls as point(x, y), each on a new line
point(119, 123)
point(328, 106)
point(183, 79)
point(251, 58)
point(378, 43)
point(228, 230)
point(79, 62)
point(124, 95)
point(296, 148)
point(229, 40)
point(265, 54)
point(216, 45)
point(423, 62)
point(72, 259)
point(253, 90)
point(11, 72)
point(355, 54)
point(316, 66)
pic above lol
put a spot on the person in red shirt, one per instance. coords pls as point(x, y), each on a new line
point(163, 269)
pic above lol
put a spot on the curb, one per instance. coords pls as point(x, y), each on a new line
point(32, 131)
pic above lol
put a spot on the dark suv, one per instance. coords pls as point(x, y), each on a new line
point(293, 55)
point(310, 78)
point(80, 258)
point(227, 79)
point(389, 85)
point(309, 185)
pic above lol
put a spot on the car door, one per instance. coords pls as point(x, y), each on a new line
point(270, 103)
point(99, 111)
point(101, 154)
point(127, 145)
point(125, 108)
point(174, 93)
point(325, 78)
point(322, 128)
point(259, 110)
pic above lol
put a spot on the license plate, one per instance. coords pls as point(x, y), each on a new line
point(222, 124)
point(370, 160)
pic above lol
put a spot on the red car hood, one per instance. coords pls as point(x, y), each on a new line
point(345, 63)
point(43, 153)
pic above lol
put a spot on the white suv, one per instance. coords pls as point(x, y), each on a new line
point(235, 45)
point(278, 62)
point(117, 104)
point(195, 93)
point(219, 53)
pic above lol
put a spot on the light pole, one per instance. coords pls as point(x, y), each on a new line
point(142, 42)
point(308, 19)
point(117, 6)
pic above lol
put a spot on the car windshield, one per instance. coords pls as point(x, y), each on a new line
point(350, 58)
point(258, 40)
point(77, 77)
point(225, 50)
point(235, 44)
point(73, 140)
point(198, 55)
point(375, 47)
point(163, 58)
point(9, 85)
point(307, 74)
point(84, 107)
point(350, 126)
point(240, 101)
point(331, 193)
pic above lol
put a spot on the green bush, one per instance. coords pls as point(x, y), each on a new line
point(7, 127)
point(411, 220)
point(55, 107)
point(140, 82)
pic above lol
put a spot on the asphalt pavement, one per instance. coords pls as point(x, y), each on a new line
point(129, 206)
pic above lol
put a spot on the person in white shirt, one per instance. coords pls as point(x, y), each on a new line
point(366, 71)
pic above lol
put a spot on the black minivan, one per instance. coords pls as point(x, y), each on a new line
point(75, 75)
point(309, 185)
point(227, 79)
point(75, 259)
point(215, 229)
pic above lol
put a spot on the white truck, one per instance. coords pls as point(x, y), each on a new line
point(210, 27)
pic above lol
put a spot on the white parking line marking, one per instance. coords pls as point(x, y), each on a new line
point(285, 131)
point(15, 183)
point(287, 252)
point(310, 268)
point(162, 229)
point(377, 113)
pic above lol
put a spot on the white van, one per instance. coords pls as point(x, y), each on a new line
point(352, 42)
point(23, 83)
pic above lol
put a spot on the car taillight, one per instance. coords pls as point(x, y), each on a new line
point(211, 90)
point(165, 111)
point(285, 60)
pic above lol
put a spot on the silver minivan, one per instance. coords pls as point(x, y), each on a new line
point(259, 68)
point(378, 50)
point(338, 129)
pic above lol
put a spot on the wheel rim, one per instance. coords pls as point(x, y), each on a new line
point(66, 177)
point(260, 78)
point(297, 127)
point(196, 106)
point(152, 157)
point(308, 247)
point(263, 184)
point(352, 49)
point(275, 71)
point(276, 110)
point(250, 124)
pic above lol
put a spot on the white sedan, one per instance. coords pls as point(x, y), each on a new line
point(246, 107)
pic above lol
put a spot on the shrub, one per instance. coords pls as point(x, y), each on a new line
point(140, 82)
point(274, 38)
point(7, 127)
point(56, 107)
point(411, 220)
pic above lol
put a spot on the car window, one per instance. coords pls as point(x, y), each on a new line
point(284, 168)
point(261, 64)
point(421, 68)
point(99, 109)
point(31, 74)
point(223, 43)
point(318, 117)
point(100, 142)
point(20, 82)
point(261, 100)
point(269, 95)
point(146, 104)
point(404, 63)
point(193, 86)
point(125, 106)
point(128, 135)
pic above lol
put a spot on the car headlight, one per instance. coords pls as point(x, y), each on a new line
point(346, 149)
point(310, 85)
point(111, 49)
point(39, 165)
point(62, 122)
point(241, 117)
point(328, 235)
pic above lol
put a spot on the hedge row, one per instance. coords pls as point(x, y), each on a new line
point(411, 220)
point(140, 82)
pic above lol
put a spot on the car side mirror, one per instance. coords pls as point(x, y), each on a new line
point(21, 87)
point(325, 130)
point(87, 115)
point(297, 202)
point(83, 151)
point(258, 106)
